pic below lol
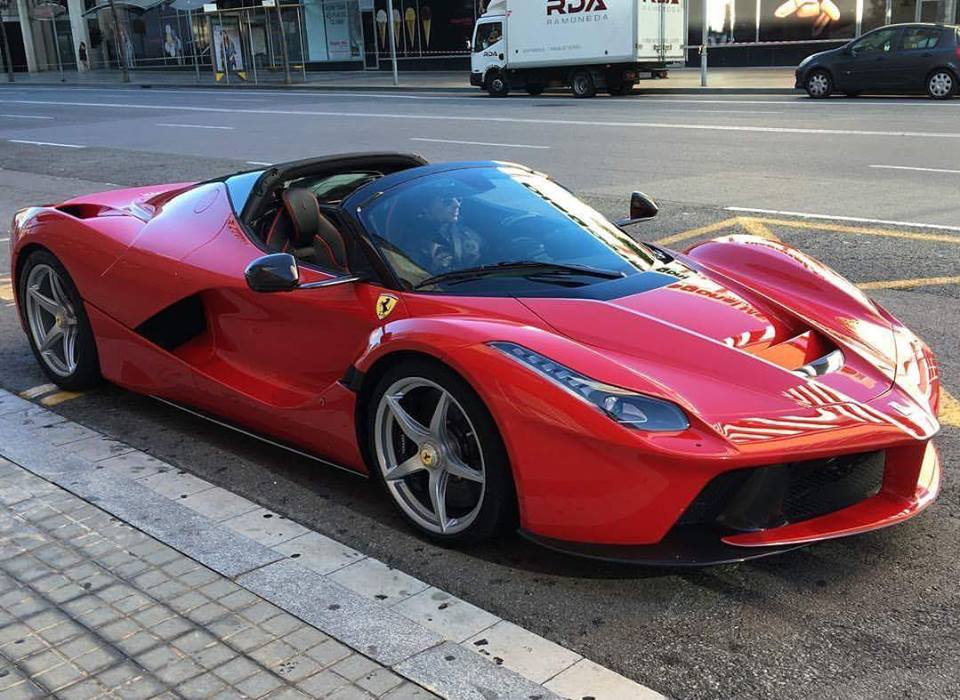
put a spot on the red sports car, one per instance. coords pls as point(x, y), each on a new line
point(497, 353)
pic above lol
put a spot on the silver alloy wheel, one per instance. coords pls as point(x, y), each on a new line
point(941, 84)
point(420, 463)
point(818, 84)
point(52, 320)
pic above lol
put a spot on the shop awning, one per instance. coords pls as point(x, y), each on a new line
point(141, 5)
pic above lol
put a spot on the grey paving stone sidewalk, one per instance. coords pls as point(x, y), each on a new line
point(93, 608)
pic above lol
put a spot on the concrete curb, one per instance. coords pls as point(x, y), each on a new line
point(639, 91)
point(426, 635)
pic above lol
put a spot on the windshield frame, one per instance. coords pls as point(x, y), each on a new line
point(358, 203)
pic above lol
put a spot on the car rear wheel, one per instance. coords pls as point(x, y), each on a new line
point(819, 84)
point(60, 334)
point(582, 84)
point(439, 455)
point(941, 85)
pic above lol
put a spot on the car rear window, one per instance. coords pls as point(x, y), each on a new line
point(921, 38)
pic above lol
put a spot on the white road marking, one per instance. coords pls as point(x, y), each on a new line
point(4, 240)
point(24, 116)
point(504, 120)
point(196, 126)
point(922, 170)
point(257, 162)
point(45, 143)
point(855, 219)
point(483, 143)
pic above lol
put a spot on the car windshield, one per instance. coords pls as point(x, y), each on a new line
point(484, 219)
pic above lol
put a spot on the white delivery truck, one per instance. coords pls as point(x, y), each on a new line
point(587, 44)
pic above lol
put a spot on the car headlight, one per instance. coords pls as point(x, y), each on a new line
point(627, 408)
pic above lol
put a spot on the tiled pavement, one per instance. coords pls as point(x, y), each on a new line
point(93, 608)
point(404, 627)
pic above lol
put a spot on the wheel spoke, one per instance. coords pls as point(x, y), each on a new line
point(438, 422)
point(405, 468)
point(47, 304)
point(438, 497)
point(52, 336)
point(408, 424)
point(456, 467)
point(56, 288)
point(69, 348)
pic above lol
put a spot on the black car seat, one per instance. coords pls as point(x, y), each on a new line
point(301, 229)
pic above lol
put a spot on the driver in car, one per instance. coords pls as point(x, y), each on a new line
point(445, 243)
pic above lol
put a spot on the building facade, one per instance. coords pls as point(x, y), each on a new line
point(241, 37)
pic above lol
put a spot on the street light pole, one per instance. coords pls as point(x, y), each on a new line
point(4, 6)
point(287, 78)
point(125, 74)
point(393, 43)
point(703, 48)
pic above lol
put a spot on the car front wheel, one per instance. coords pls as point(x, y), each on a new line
point(819, 84)
point(60, 334)
point(941, 85)
point(439, 455)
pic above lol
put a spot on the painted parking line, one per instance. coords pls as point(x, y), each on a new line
point(24, 116)
point(835, 217)
point(258, 162)
point(40, 390)
point(482, 143)
point(700, 231)
point(195, 126)
point(487, 119)
point(910, 283)
point(6, 289)
point(60, 397)
point(46, 143)
point(921, 170)
point(949, 409)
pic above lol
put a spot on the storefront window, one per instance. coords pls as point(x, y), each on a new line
point(332, 29)
point(904, 11)
point(874, 14)
point(426, 28)
point(730, 21)
point(803, 20)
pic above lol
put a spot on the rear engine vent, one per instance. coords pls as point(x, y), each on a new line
point(746, 500)
point(84, 211)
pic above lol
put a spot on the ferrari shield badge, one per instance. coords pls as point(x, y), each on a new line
point(385, 305)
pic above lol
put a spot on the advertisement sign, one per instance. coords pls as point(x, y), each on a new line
point(802, 20)
point(228, 50)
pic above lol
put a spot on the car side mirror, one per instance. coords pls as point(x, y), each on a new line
point(278, 272)
point(642, 208)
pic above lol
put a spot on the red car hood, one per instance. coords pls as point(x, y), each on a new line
point(722, 352)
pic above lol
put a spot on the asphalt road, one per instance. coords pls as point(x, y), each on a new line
point(873, 616)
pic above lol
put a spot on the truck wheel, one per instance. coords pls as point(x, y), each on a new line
point(582, 83)
point(534, 90)
point(497, 85)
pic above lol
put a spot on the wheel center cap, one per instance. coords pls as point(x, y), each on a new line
point(429, 455)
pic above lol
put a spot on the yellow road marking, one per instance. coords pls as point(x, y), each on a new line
point(6, 291)
point(36, 391)
point(701, 231)
point(906, 284)
point(755, 227)
point(889, 233)
point(59, 397)
point(949, 409)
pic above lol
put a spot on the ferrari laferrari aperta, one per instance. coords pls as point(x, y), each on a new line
point(497, 353)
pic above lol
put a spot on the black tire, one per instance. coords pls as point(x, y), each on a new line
point(86, 375)
point(941, 84)
point(497, 85)
point(582, 84)
point(621, 90)
point(534, 89)
point(498, 509)
point(818, 84)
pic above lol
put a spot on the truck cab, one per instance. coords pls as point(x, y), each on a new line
point(488, 60)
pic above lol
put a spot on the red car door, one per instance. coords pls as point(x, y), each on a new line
point(274, 361)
